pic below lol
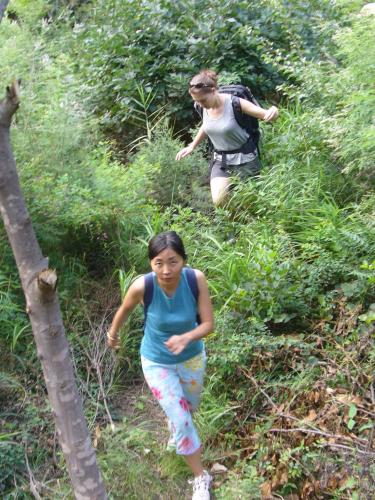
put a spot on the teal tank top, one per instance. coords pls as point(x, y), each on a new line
point(167, 316)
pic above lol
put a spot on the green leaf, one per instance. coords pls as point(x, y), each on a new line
point(351, 424)
point(352, 411)
point(364, 427)
point(350, 483)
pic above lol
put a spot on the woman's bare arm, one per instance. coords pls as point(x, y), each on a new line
point(133, 297)
point(201, 135)
point(251, 109)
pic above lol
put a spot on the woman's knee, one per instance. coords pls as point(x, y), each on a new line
point(219, 190)
point(219, 198)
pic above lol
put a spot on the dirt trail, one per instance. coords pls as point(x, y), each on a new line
point(135, 402)
point(137, 405)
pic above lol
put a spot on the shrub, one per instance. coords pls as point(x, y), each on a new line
point(337, 95)
point(123, 42)
point(170, 182)
point(12, 463)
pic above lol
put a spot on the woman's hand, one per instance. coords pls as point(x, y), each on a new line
point(184, 152)
point(113, 341)
point(177, 343)
point(271, 114)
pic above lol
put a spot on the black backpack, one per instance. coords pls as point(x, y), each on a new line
point(249, 123)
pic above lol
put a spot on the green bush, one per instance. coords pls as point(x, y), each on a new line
point(14, 325)
point(12, 463)
point(337, 97)
point(160, 45)
point(76, 192)
point(352, 133)
point(289, 260)
point(170, 182)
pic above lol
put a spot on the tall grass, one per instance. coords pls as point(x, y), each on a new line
point(289, 260)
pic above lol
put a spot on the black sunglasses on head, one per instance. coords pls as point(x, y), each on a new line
point(200, 86)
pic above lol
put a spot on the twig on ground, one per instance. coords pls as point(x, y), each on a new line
point(353, 450)
point(236, 452)
point(319, 432)
point(324, 434)
point(312, 429)
point(32, 481)
point(274, 406)
point(97, 358)
point(100, 364)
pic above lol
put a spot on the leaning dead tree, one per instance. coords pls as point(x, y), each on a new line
point(3, 6)
point(42, 305)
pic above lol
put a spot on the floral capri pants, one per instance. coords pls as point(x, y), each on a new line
point(178, 389)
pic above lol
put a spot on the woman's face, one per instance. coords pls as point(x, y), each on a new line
point(167, 266)
point(205, 100)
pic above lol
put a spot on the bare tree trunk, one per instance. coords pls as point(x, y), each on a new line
point(3, 6)
point(42, 305)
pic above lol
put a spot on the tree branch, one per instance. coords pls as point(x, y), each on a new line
point(9, 105)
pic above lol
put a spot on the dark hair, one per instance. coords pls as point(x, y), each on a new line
point(168, 239)
point(203, 82)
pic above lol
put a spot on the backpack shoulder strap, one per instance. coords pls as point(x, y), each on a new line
point(249, 123)
point(192, 282)
point(149, 291)
point(193, 285)
point(237, 111)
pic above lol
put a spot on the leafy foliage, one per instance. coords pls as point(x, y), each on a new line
point(11, 462)
point(338, 97)
point(171, 182)
point(289, 260)
point(118, 50)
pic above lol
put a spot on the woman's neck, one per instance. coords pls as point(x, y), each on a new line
point(218, 102)
point(217, 106)
point(170, 288)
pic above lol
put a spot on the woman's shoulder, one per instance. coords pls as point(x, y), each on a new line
point(138, 285)
point(135, 291)
point(227, 97)
point(197, 271)
point(187, 269)
point(198, 274)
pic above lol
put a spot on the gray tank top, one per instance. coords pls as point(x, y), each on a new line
point(226, 134)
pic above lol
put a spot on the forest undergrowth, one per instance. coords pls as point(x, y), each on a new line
point(288, 405)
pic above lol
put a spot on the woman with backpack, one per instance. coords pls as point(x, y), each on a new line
point(235, 151)
point(178, 314)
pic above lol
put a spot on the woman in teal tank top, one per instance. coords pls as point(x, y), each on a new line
point(172, 350)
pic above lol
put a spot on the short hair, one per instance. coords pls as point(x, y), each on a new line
point(162, 241)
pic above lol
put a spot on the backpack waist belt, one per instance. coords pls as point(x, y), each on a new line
point(248, 147)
